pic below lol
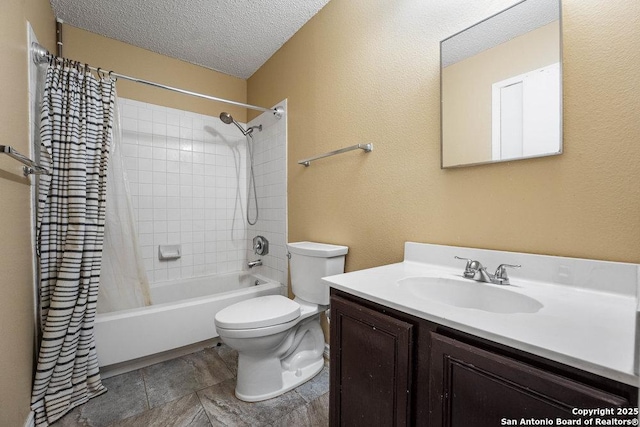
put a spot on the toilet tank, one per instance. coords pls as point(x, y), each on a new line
point(310, 262)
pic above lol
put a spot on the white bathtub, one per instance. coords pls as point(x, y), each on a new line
point(182, 314)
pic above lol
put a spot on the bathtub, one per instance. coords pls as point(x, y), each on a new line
point(182, 314)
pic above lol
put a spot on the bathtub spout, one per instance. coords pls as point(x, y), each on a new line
point(255, 263)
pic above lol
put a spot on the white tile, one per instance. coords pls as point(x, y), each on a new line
point(173, 226)
point(186, 134)
point(146, 176)
point(159, 129)
point(173, 190)
point(173, 166)
point(129, 150)
point(186, 156)
point(128, 111)
point(160, 214)
point(145, 202)
point(159, 116)
point(159, 141)
point(159, 166)
point(173, 119)
point(146, 239)
point(173, 178)
point(145, 127)
point(186, 167)
point(159, 153)
point(129, 124)
point(173, 273)
point(145, 114)
point(159, 178)
point(145, 227)
point(145, 152)
point(145, 165)
point(160, 275)
point(145, 139)
point(173, 131)
point(173, 155)
point(198, 136)
point(186, 121)
point(173, 214)
point(159, 203)
point(145, 189)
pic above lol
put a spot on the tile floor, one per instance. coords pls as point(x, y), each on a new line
point(198, 390)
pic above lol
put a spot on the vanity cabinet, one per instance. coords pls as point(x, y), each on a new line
point(474, 387)
point(389, 368)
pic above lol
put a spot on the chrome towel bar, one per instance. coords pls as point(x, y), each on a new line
point(365, 147)
point(31, 166)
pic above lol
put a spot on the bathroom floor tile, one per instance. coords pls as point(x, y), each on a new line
point(125, 397)
point(178, 377)
point(313, 414)
point(183, 412)
point(230, 357)
point(224, 409)
point(316, 387)
point(197, 390)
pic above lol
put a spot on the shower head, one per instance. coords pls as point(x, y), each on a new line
point(228, 119)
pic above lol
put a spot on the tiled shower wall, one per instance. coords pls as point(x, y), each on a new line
point(270, 161)
point(188, 177)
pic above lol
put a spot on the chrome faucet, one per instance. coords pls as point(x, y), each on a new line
point(255, 263)
point(476, 271)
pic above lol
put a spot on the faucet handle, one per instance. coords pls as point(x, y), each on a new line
point(468, 270)
point(501, 277)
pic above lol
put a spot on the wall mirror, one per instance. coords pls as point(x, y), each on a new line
point(501, 87)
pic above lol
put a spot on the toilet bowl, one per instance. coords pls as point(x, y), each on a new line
point(279, 341)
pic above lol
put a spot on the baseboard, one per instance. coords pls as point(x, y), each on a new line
point(31, 420)
point(326, 351)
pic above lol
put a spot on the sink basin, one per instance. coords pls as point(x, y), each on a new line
point(469, 294)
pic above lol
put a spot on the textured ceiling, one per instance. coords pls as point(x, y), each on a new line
point(232, 36)
point(506, 25)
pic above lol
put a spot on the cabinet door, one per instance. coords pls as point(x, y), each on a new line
point(370, 367)
point(473, 387)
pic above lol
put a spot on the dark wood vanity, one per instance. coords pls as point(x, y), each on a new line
point(389, 368)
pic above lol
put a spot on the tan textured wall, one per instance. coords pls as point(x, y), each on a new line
point(16, 281)
point(368, 71)
point(467, 90)
point(129, 60)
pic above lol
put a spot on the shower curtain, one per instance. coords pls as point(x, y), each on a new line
point(76, 121)
point(123, 279)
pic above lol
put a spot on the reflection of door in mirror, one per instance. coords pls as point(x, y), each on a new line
point(526, 114)
point(501, 87)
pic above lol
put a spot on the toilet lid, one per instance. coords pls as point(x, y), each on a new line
point(258, 312)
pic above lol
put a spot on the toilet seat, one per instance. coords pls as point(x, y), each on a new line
point(258, 313)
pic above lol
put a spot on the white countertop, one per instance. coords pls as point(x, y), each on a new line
point(586, 328)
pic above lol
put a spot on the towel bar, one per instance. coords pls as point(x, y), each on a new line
point(365, 147)
point(31, 166)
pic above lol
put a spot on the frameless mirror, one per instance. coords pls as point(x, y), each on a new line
point(501, 87)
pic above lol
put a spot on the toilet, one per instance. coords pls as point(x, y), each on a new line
point(279, 341)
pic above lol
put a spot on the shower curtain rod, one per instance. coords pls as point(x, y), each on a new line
point(42, 55)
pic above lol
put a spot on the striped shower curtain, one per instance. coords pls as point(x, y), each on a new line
point(75, 130)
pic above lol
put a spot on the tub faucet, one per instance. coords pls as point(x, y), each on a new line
point(255, 263)
point(476, 271)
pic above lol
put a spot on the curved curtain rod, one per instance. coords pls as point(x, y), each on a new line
point(42, 55)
